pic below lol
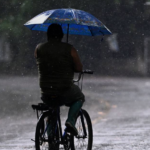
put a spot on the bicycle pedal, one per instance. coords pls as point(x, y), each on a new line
point(32, 140)
point(71, 131)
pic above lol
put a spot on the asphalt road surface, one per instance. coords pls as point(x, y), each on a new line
point(119, 110)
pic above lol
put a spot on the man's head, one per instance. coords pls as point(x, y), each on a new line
point(55, 31)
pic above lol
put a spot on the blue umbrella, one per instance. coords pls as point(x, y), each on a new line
point(73, 21)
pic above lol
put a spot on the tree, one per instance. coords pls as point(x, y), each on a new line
point(124, 17)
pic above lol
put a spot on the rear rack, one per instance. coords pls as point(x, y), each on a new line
point(40, 108)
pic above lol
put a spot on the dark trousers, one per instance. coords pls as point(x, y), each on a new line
point(67, 98)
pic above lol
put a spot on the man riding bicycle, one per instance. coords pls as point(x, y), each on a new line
point(57, 61)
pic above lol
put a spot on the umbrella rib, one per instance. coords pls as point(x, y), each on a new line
point(67, 33)
point(32, 27)
point(76, 18)
point(90, 31)
point(64, 13)
point(49, 15)
point(101, 32)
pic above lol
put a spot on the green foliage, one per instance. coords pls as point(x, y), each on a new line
point(121, 16)
point(15, 13)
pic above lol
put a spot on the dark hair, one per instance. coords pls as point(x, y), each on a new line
point(55, 31)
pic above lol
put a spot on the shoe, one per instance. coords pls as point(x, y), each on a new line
point(71, 129)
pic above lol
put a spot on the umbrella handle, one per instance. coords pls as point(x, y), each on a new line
point(67, 33)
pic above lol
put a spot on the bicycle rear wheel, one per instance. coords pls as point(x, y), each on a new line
point(84, 140)
point(43, 141)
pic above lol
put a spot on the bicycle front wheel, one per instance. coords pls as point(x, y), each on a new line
point(44, 141)
point(84, 139)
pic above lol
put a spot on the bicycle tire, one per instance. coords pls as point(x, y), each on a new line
point(79, 143)
point(42, 140)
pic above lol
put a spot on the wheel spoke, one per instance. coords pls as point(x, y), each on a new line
point(45, 140)
point(83, 141)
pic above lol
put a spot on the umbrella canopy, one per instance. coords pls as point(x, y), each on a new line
point(72, 21)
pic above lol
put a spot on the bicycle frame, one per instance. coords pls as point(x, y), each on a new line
point(47, 113)
point(62, 136)
point(58, 128)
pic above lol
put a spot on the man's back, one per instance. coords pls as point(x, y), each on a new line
point(55, 66)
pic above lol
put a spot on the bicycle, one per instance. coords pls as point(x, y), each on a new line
point(48, 135)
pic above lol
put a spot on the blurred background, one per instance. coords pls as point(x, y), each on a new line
point(124, 53)
point(117, 96)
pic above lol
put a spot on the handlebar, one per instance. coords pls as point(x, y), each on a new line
point(87, 71)
point(83, 72)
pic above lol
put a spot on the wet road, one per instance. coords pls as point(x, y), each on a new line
point(119, 109)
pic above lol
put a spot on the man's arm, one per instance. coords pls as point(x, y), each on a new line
point(76, 60)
